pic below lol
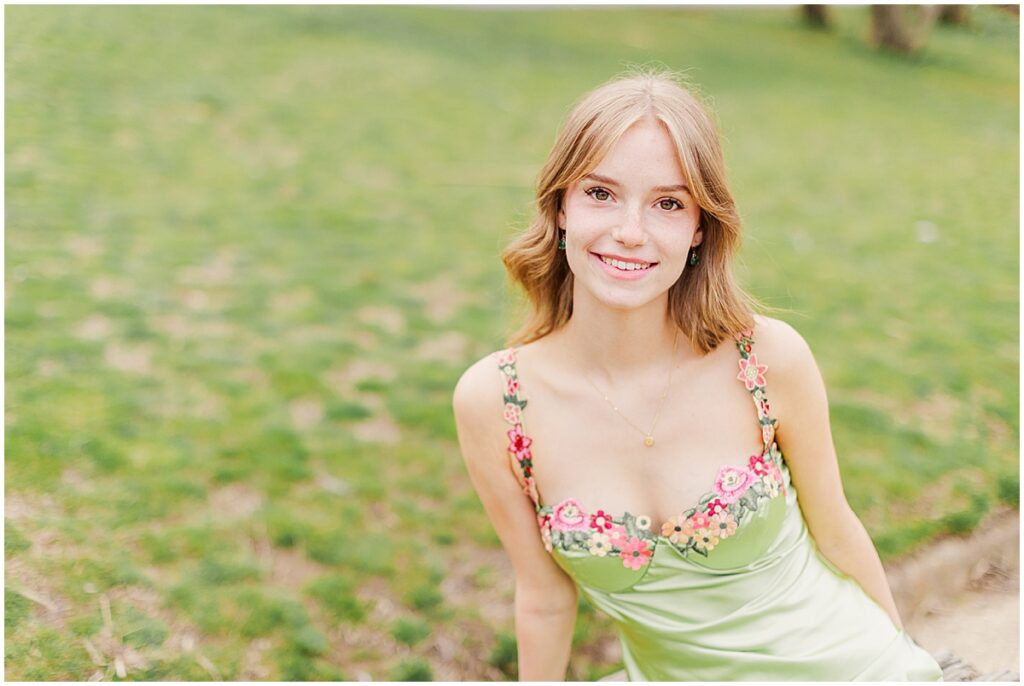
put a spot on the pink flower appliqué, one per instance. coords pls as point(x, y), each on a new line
point(513, 413)
point(601, 520)
point(519, 443)
point(700, 520)
point(635, 553)
point(511, 385)
point(767, 432)
point(618, 535)
point(758, 465)
point(752, 373)
point(716, 506)
point(732, 482)
point(569, 516)
point(506, 358)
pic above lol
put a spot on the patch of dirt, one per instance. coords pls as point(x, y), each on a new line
point(287, 301)
point(441, 297)
point(83, 247)
point(18, 505)
point(386, 317)
point(179, 327)
point(49, 368)
point(199, 300)
point(450, 346)
point(234, 501)
point(133, 359)
point(218, 270)
point(962, 594)
point(107, 287)
point(292, 569)
point(377, 430)
point(253, 667)
point(49, 606)
point(463, 587)
point(94, 328)
point(306, 413)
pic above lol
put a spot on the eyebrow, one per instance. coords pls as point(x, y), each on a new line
point(659, 189)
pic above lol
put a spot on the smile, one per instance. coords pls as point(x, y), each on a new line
point(632, 269)
point(625, 266)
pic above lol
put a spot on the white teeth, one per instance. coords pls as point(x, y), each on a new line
point(625, 266)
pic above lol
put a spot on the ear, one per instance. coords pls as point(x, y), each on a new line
point(561, 218)
point(698, 238)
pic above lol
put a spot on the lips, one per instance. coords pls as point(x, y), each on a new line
point(620, 270)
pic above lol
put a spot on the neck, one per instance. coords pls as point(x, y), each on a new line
point(618, 346)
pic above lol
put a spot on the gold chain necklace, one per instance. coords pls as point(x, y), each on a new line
point(648, 435)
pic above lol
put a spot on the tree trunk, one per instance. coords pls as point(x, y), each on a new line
point(955, 15)
point(902, 28)
point(814, 16)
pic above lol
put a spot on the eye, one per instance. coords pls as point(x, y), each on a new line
point(672, 203)
point(598, 193)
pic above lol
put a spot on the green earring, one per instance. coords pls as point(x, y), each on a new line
point(561, 240)
point(694, 258)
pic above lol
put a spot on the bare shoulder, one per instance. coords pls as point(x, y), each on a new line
point(479, 384)
point(477, 400)
point(780, 346)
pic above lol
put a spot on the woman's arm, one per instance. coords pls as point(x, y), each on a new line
point(545, 597)
point(798, 399)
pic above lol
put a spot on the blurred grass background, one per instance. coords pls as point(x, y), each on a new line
point(251, 249)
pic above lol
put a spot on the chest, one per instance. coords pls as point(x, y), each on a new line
point(583, 449)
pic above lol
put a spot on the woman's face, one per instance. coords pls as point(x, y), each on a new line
point(634, 208)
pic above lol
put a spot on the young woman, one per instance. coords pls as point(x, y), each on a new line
point(626, 448)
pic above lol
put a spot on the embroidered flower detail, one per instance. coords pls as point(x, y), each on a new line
point(699, 520)
point(511, 385)
point(732, 482)
point(758, 465)
point(643, 522)
point(506, 357)
point(767, 432)
point(752, 373)
point(618, 535)
point(678, 529)
point(635, 553)
point(601, 520)
point(600, 544)
point(569, 516)
point(774, 470)
point(530, 488)
point(714, 506)
point(519, 443)
point(545, 536)
point(763, 407)
point(513, 414)
point(771, 485)
point(705, 540)
point(723, 525)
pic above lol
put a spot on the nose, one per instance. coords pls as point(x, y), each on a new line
point(631, 231)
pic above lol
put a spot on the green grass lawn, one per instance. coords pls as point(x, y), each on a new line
point(250, 250)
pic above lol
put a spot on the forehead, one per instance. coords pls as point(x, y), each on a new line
point(644, 154)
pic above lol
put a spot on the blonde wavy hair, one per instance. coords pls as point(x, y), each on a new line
point(706, 303)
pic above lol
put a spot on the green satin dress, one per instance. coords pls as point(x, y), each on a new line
point(732, 589)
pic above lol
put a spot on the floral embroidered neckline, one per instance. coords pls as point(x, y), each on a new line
point(737, 491)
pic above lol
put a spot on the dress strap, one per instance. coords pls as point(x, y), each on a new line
point(752, 374)
point(519, 442)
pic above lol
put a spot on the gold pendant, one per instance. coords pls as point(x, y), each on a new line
point(649, 441)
